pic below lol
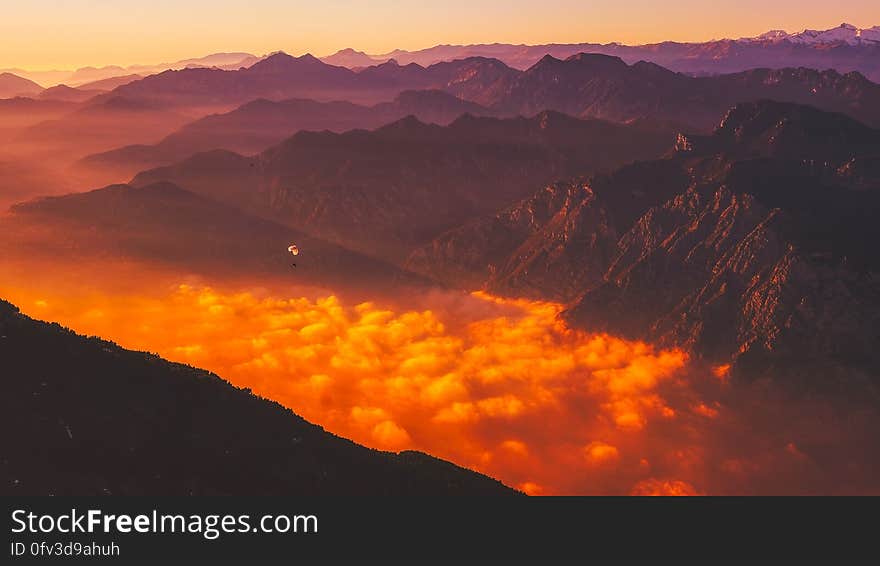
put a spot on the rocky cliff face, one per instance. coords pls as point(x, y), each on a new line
point(754, 244)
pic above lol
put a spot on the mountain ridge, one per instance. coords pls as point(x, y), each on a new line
point(261, 123)
point(853, 50)
point(131, 423)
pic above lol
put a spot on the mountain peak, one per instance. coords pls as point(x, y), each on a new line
point(13, 85)
point(351, 58)
point(278, 56)
point(275, 61)
point(408, 125)
point(593, 61)
point(546, 59)
point(281, 61)
point(584, 57)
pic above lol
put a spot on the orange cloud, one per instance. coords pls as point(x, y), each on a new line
point(512, 391)
point(601, 453)
point(654, 486)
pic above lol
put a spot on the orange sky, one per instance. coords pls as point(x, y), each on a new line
point(60, 34)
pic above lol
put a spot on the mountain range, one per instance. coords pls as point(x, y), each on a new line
point(131, 423)
point(102, 123)
point(281, 76)
point(383, 191)
point(85, 75)
point(145, 111)
point(844, 48)
point(844, 33)
point(605, 87)
point(584, 85)
point(257, 125)
point(754, 244)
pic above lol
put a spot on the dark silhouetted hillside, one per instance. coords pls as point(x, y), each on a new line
point(81, 416)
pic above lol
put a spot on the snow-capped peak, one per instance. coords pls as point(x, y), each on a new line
point(772, 35)
point(844, 33)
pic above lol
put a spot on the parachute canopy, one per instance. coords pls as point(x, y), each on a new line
point(293, 249)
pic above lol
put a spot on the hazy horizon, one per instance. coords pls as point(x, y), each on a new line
point(61, 35)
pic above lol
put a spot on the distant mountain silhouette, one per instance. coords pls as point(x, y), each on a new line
point(351, 59)
point(13, 85)
point(91, 74)
point(82, 416)
point(162, 223)
point(756, 243)
point(23, 179)
point(86, 75)
point(231, 61)
point(844, 48)
point(17, 114)
point(110, 83)
point(105, 122)
point(386, 190)
point(583, 85)
point(262, 123)
point(281, 76)
point(68, 94)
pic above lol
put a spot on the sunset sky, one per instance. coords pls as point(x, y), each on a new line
point(64, 34)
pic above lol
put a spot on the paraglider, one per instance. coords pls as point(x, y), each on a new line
point(294, 250)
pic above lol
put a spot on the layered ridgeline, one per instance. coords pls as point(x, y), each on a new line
point(143, 112)
point(130, 423)
point(164, 224)
point(12, 86)
point(756, 243)
point(257, 125)
point(386, 190)
point(97, 124)
point(584, 85)
point(281, 76)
